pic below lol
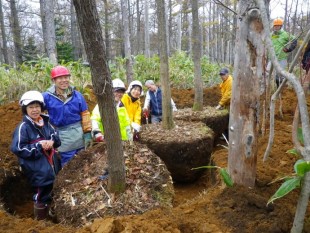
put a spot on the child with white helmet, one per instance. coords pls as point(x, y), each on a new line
point(34, 143)
point(97, 127)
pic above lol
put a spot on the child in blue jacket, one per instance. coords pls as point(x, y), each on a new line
point(34, 143)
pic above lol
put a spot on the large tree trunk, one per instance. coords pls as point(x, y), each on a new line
point(16, 33)
point(196, 39)
point(146, 29)
point(167, 122)
point(75, 35)
point(248, 69)
point(125, 20)
point(48, 27)
point(3, 34)
point(88, 19)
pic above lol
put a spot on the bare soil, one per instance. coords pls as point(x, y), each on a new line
point(205, 205)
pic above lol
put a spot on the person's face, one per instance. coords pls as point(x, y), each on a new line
point(118, 95)
point(151, 87)
point(224, 77)
point(276, 28)
point(33, 110)
point(62, 82)
point(135, 92)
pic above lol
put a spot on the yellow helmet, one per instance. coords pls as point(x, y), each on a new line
point(278, 22)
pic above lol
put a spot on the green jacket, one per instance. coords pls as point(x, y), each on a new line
point(124, 122)
point(281, 40)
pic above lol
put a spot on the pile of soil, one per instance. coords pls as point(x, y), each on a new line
point(203, 206)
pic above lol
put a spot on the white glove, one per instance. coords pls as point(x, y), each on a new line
point(129, 133)
point(218, 107)
point(136, 126)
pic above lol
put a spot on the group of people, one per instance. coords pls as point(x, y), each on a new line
point(45, 143)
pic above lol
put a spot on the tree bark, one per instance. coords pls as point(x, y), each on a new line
point(167, 118)
point(16, 33)
point(248, 69)
point(48, 27)
point(4, 39)
point(88, 19)
point(196, 40)
point(106, 30)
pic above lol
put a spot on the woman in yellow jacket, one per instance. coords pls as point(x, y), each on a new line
point(124, 121)
point(132, 103)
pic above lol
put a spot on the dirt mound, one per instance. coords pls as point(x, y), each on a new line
point(81, 192)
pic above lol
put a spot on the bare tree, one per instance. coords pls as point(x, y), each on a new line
point(3, 34)
point(88, 19)
point(196, 40)
point(75, 35)
point(248, 69)
point(106, 29)
point(48, 27)
point(167, 122)
point(16, 33)
point(127, 45)
point(146, 29)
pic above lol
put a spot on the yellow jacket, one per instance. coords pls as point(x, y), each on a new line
point(226, 88)
point(123, 118)
point(133, 108)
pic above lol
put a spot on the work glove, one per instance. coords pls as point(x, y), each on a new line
point(87, 139)
point(218, 107)
point(136, 126)
point(285, 50)
point(99, 137)
point(129, 133)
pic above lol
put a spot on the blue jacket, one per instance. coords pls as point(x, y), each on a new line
point(32, 159)
point(64, 113)
point(156, 102)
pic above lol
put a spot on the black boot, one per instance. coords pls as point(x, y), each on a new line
point(40, 211)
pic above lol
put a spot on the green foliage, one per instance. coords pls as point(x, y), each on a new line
point(300, 136)
point(293, 151)
point(301, 167)
point(146, 68)
point(223, 172)
point(289, 185)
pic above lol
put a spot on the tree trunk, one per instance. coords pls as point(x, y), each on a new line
point(75, 35)
point(106, 30)
point(146, 29)
point(248, 70)
point(48, 27)
point(127, 46)
point(138, 33)
point(88, 19)
point(179, 26)
point(167, 122)
point(16, 33)
point(196, 39)
point(3, 34)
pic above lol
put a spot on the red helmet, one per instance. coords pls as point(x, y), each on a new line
point(58, 71)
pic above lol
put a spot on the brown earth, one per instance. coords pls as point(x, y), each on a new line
point(203, 206)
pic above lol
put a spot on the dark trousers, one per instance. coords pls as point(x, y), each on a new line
point(43, 194)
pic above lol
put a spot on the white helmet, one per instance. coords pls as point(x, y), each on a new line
point(31, 96)
point(135, 83)
point(118, 84)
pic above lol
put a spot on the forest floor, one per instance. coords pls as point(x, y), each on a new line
point(206, 205)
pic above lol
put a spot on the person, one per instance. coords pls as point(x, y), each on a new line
point(34, 143)
point(153, 102)
point(131, 101)
point(306, 59)
point(68, 113)
point(97, 127)
point(283, 44)
point(225, 87)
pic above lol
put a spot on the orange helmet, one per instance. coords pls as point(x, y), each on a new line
point(278, 22)
point(58, 71)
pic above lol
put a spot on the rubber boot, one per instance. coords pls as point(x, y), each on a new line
point(40, 211)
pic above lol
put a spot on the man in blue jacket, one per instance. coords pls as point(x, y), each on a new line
point(153, 102)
